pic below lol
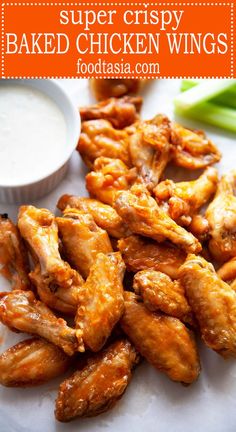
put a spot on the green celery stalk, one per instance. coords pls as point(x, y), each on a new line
point(212, 114)
point(228, 98)
point(202, 92)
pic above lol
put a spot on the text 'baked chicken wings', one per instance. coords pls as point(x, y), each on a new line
point(32, 362)
point(104, 215)
point(192, 149)
point(96, 387)
point(184, 199)
point(160, 293)
point(101, 301)
point(120, 112)
point(221, 215)
point(19, 310)
point(143, 216)
point(140, 253)
point(82, 239)
point(13, 255)
point(150, 149)
point(213, 303)
point(163, 340)
point(99, 138)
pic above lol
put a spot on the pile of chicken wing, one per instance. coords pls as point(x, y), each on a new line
point(126, 273)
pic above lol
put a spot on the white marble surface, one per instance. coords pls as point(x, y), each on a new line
point(152, 402)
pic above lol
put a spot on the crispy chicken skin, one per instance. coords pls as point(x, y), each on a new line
point(221, 215)
point(199, 227)
point(101, 300)
point(143, 216)
point(160, 293)
point(106, 88)
point(150, 149)
point(104, 215)
point(13, 255)
point(164, 341)
point(19, 310)
point(184, 199)
point(99, 138)
point(120, 112)
point(39, 228)
point(61, 299)
point(97, 386)
point(32, 362)
point(192, 149)
point(82, 239)
point(213, 303)
point(140, 253)
point(108, 177)
point(227, 271)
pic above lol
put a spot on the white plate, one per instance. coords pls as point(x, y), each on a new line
point(152, 402)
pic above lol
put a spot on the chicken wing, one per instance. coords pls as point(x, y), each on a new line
point(213, 303)
point(99, 138)
point(108, 177)
point(160, 293)
point(164, 341)
point(104, 215)
point(221, 215)
point(82, 239)
point(101, 300)
point(60, 299)
point(150, 149)
point(143, 216)
point(184, 199)
point(97, 386)
point(13, 255)
point(192, 149)
point(199, 227)
point(120, 112)
point(106, 88)
point(39, 228)
point(19, 310)
point(140, 253)
point(32, 362)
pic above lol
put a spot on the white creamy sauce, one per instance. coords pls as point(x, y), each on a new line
point(32, 134)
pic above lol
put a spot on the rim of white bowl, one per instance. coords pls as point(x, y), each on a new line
point(65, 105)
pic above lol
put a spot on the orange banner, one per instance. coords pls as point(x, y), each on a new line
point(117, 40)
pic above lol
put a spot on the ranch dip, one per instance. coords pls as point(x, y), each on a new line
point(32, 134)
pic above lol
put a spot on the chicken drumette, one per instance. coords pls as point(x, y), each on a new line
point(106, 88)
point(82, 239)
point(120, 112)
point(192, 149)
point(97, 386)
point(99, 138)
point(104, 215)
point(183, 200)
point(143, 216)
point(13, 255)
point(19, 310)
point(150, 149)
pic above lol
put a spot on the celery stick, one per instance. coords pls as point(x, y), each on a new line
point(228, 98)
point(201, 93)
point(213, 114)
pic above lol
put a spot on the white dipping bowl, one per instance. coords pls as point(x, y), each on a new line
point(32, 190)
